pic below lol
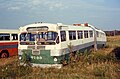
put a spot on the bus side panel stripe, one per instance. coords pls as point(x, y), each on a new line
point(8, 46)
point(8, 43)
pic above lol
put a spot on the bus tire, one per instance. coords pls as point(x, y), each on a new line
point(4, 54)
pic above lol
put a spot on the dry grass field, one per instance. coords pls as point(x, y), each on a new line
point(102, 64)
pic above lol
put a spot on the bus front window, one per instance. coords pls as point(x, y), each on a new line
point(27, 39)
point(47, 38)
point(51, 35)
point(22, 37)
point(32, 37)
point(41, 38)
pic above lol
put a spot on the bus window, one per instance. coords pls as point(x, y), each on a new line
point(72, 35)
point(4, 37)
point(51, 35)
point(32, 37)
point(91, 33)
point(86, 34)
point(63, 35)
point(27, 37)
point(80, 35)
point(22, 37)
point(42, 35)
point(97, 33)
point(14, 36)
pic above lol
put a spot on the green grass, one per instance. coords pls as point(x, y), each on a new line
point(101, 64)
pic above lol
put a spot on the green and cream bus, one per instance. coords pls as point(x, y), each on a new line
point(46, 44)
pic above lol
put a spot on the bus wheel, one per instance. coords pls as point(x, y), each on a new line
point(4, 55)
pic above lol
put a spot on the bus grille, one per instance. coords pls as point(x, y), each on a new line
point(31, 47)
point(38, 47)
point(41, 47)
point(36, 52)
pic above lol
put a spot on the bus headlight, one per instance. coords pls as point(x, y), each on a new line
point(20, 58)
point(20, 52)
point(55, 59)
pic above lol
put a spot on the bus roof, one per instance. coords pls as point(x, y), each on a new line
point(55, 27)
point(9, 31)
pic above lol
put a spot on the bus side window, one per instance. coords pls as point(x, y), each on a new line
point(1, 37)
point(91, 33)
point(80, 34)
point(4, 37)
point(72, 35)
point(86, 34)
point(63, 35)
point(97, 33)
point(14, 36)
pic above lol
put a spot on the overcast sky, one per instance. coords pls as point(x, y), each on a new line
point(104, 14)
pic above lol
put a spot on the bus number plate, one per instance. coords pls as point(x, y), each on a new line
point(36, 52)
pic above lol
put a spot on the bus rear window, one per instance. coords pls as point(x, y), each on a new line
point(4, 37)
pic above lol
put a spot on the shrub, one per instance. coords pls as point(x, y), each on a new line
point(99, 72)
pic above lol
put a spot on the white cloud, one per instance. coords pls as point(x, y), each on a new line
point(93, 5)
point(51, 5)
point(13, 8)
point(97, 1)
point(35, 2)
point(32, 5)
point(58, 6)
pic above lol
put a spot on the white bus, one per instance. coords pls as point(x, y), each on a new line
point(8, 43)
point(46, 44)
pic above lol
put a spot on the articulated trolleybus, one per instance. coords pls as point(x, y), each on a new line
point(46, 44)
point(8, 43)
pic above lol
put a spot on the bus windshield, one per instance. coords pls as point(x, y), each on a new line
point(41, 37)
point(27, 37)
